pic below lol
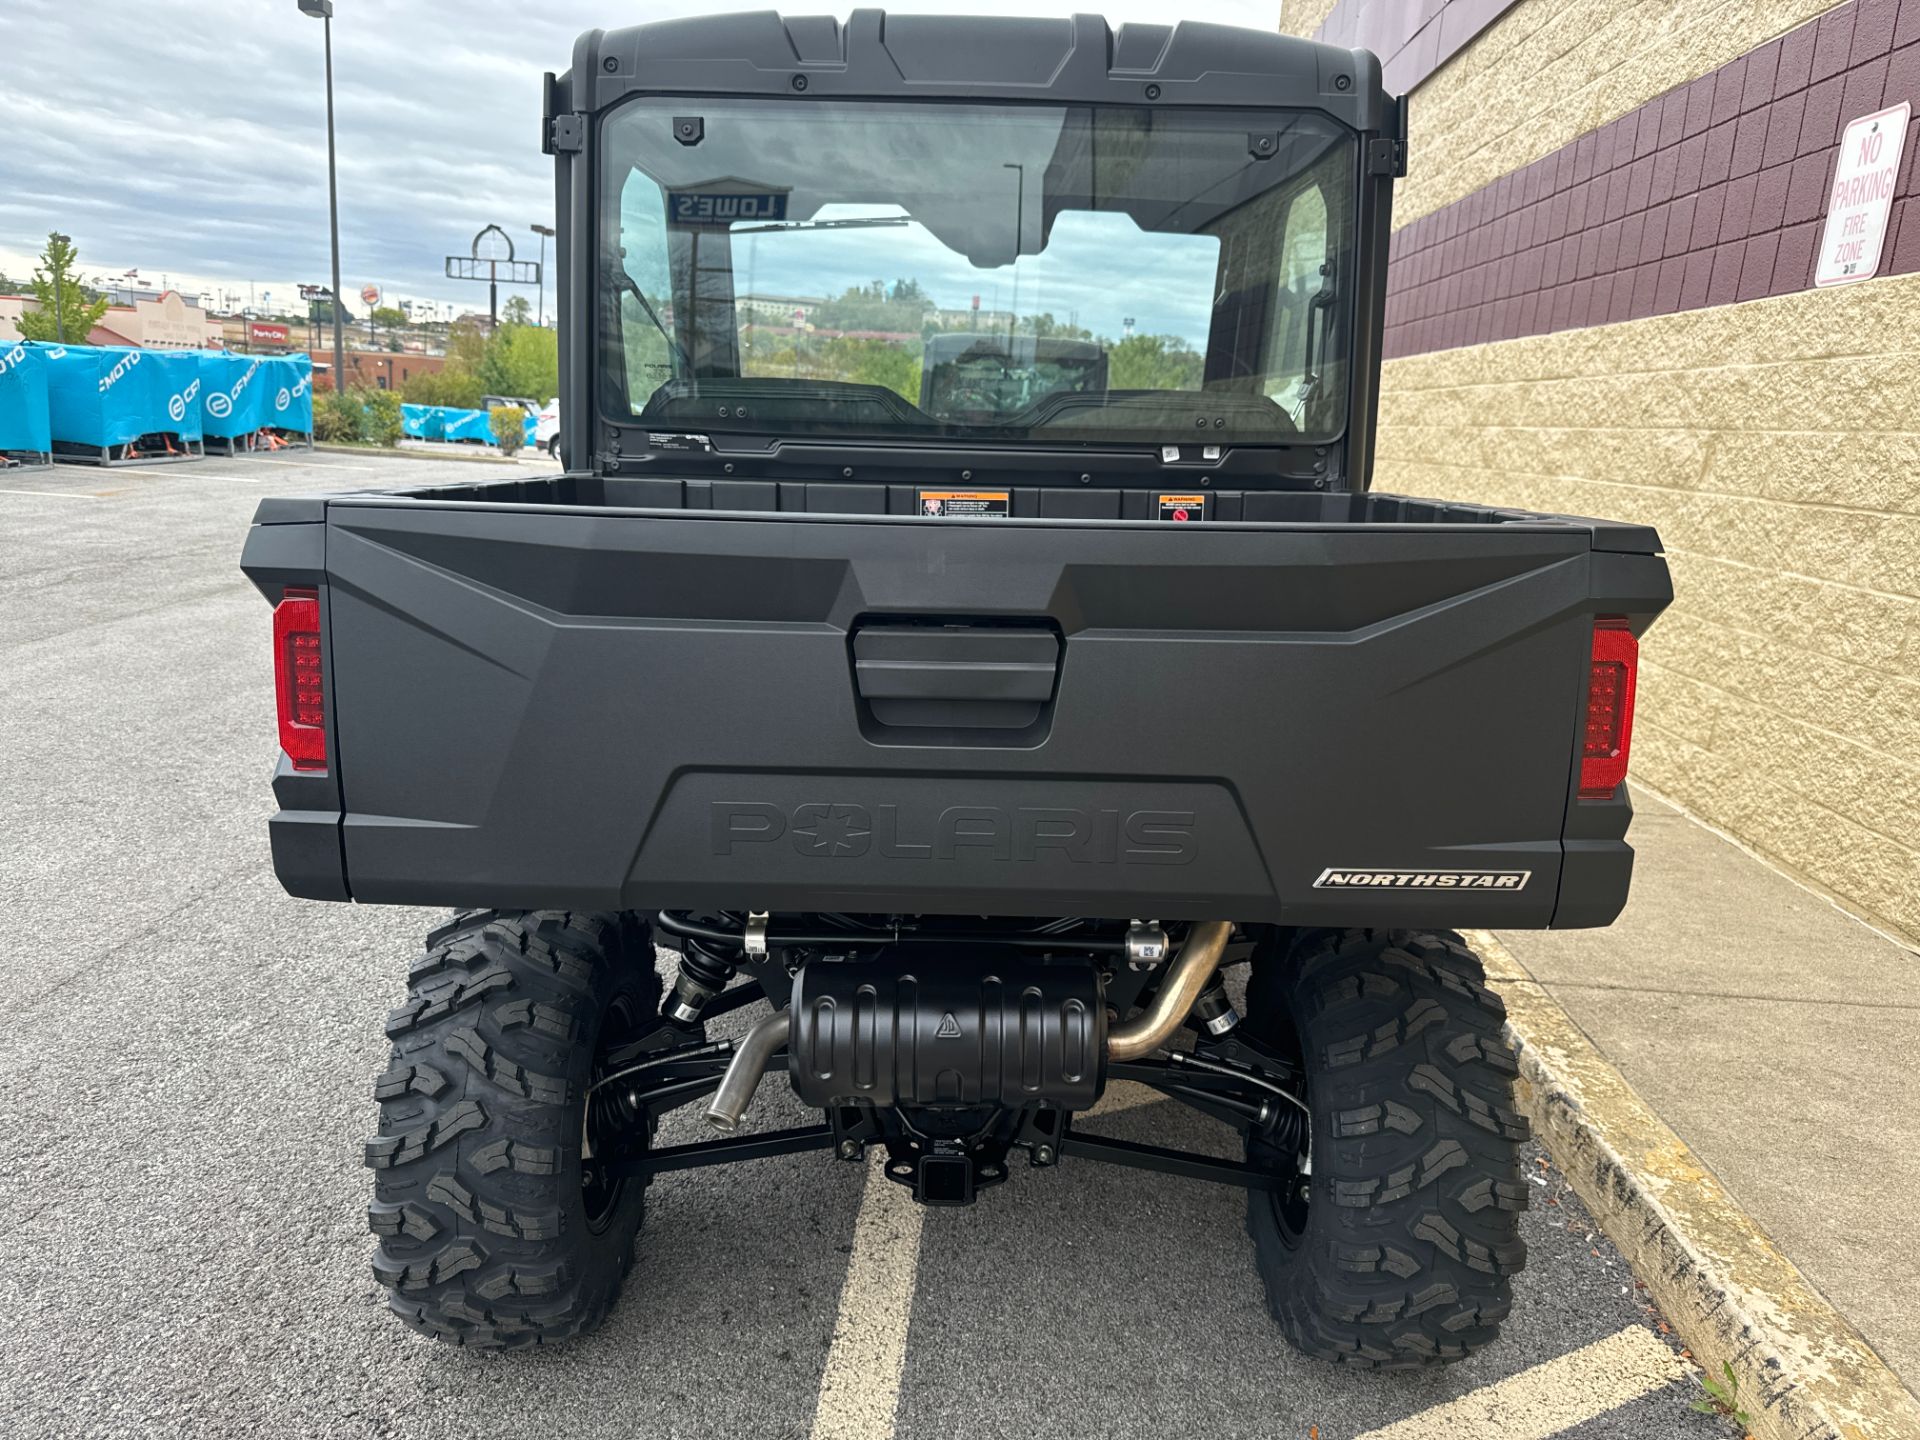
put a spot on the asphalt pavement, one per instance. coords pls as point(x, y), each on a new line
point(188, 1057)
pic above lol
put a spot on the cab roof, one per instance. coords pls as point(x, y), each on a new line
point(1077, 60)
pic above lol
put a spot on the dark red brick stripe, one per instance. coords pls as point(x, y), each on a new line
point(1713, 193)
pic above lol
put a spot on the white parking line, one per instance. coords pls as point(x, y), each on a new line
point(1552, 1397)
point(860, 1387)
point(55, 494)
point(309, 464)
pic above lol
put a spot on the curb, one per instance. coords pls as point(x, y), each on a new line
point(401, 452)
point(1804, 1372)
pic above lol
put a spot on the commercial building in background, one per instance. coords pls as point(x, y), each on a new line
point(377, 369)
point(271, 337)
point(1635, 273)
point(150, 319)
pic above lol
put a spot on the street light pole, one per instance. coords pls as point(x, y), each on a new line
point(545, 232)
point(60, 285)
point(322, 10)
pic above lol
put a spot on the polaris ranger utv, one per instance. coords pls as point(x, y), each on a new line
point(964, 634)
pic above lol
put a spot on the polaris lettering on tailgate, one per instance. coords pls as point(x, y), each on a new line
point(1339, 879)
point(988, 832)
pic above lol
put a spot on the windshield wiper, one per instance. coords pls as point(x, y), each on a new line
point(874, 222)
point(632, 287)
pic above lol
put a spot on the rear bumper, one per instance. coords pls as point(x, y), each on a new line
point(1299, 724)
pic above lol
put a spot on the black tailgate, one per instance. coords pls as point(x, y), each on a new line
point(538, 706)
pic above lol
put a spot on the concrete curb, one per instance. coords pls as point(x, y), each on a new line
point(1804, 1373)
point(401, 452)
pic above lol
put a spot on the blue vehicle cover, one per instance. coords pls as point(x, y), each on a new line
point(422, 422)
point(287, 393)
point(23, 400)
point(173, 377)
point(231, 387)
point(467, 425)
point(106, 395)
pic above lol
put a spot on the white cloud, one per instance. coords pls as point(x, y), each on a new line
point(188, 137)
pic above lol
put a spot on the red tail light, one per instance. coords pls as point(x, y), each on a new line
point(298, 679)
point(1609, 729)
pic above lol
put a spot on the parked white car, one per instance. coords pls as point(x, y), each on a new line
point(546, 432)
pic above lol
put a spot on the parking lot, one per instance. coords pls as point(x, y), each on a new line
point(188, 1057)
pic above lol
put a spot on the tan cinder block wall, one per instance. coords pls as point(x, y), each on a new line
point(1303, 17)
point(1776, 446)
point(1548, 71)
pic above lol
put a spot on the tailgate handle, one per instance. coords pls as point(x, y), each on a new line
point(964, 676)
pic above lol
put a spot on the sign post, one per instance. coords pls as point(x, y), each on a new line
point(493, 267)
point(1862, 196)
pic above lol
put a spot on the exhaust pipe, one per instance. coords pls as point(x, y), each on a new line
point(1187, 976)
point(749, 1063)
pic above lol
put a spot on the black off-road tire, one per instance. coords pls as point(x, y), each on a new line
point(487, 1237)
point(553, 448)
point(1402, 1253)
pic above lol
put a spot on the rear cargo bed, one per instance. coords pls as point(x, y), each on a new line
point(1339, 709)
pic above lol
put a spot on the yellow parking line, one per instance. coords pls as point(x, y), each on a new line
point(1552, 1397)
point(860, 1388)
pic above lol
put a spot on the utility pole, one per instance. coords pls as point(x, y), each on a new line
point(545, 232)
point(322, 10)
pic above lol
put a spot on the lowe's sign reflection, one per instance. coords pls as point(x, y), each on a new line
point(717, 208)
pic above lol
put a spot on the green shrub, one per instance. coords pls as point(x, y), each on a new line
point(381, 409)
point(362, 416)
point(338, 418)
point(509, 424)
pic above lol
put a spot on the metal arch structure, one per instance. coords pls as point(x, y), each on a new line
point(493, 268)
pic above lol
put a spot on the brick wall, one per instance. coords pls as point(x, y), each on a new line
point(1549, 71)
point(1776, 447)
point(1712, 193)
point(1304, 17)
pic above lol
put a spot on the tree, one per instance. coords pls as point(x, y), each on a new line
point(516, 311)
point(391, 317)
point(63, 303)
point(872, 307)
point(1154, 362)
point(1044, 326)
point(453, 387)
point(521, 360)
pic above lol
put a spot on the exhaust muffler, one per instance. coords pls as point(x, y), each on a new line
point(1188, 976)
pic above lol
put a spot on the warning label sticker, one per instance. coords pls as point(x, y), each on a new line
point(993, 504)
point(1183, 507)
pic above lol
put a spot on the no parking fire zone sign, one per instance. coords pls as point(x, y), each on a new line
point(1862, 196)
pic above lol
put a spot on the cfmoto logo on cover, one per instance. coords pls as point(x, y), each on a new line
point(177, 405)
point(844, 830)
point(126, 363)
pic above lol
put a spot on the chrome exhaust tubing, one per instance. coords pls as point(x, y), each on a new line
point(745, 1070)
point(1187, 976)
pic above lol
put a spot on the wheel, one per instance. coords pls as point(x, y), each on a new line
point(553, 448)
point(1397, 1248)
point(491, 1233)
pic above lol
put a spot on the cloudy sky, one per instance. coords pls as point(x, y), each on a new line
point(187, 138)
